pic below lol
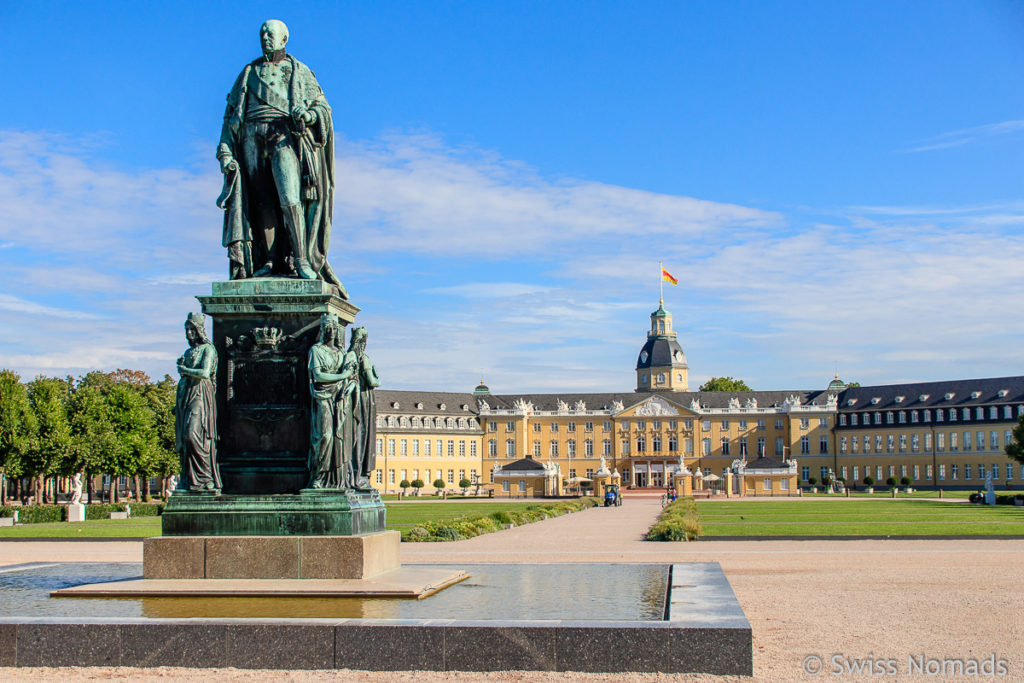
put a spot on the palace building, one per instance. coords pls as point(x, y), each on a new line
point(943, 434)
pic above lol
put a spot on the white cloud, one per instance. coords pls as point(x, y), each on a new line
point(15, 304)
point(964, 136)
point(887, 291)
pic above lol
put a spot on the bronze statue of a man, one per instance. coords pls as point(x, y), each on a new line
point(277, 154)
point(195, 410)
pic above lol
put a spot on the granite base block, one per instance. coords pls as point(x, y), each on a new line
point(389, 648)
point(8, 643)
point(280, 646)
point(63, 644)
point(271, 557)
point(146, 645)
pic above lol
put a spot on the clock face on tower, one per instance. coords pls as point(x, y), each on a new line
point(643, 356)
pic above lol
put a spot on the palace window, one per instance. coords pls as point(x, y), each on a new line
point(823, 445)
point(805, 473)
point(903, 443)
point(760, 425)
point(510, 448)
point(706, 446)
point(510, 426)
point(853, 419)
point(426, 447)
point(656, 443)
point(915, 442)
point(889, 417)
point(624, 447)
point(743, 448)
point(805, 445)
point(760, 446)
point(655, 424)
point(673, 443)
point(570, 427)
point(903, 417)
point(778, 446)
point(706, 425)
point(993, 441)
point(536, 448)
point(804, 423)
point(588, 448)
point(588, 426)
point(967, 441)
point(554, 427)
point(492, 426)
point(641, 444)
point(536, 427)
point(606, 447)
point(451, 448)
point(842, 420)
point(572, 448)
point(725, 445)
point(391, 446)
point(553, 451)
point(854, 444)
point(462, 448)
point(878, 443)
point(607, 426)
point(954, 472)
point(403, 446)
point(778, 424)
point(890, 443)
point(913, 416)
point(967, 472)
point(492, 448)
point(878, 418)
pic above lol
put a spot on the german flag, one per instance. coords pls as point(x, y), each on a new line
point(667, 277)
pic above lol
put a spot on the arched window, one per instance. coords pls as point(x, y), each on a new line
point(661, 378)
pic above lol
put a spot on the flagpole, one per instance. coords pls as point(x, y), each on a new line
point(661, 284)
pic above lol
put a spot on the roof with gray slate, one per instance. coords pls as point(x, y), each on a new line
point(524, 465)
point(933, 394)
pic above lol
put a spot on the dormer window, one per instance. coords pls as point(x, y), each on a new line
point(923, 397)
point(899, 399)
point(875, 401)
point(949, 396)
point(394, 404)
point(975, 394)
point(851, 402)
point(1002, 393)
point(464, 406)
point(442, 406)
point(419, 406)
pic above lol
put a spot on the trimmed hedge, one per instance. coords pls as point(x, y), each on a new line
point(35, 514)
point(45, 514)
point(460, 528)
point(679, 521)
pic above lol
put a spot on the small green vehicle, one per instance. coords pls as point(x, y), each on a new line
point(612, 496)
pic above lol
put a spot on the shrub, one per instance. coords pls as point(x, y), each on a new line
point(439, 484)
point(417, 484)
point(103, 510)
point(460, 528)
point(679, 521)
point(890, 481)
point(904, 481)
point(35, 514)
point(404, 484)
point(465, 484)
point(812, 481)
point(869, 481)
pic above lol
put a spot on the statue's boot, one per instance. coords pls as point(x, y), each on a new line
point(296, 224)
point(265, 271)
point(330, 276)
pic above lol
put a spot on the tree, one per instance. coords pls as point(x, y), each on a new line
point(724, 384)
point(904, 481)
point(850, 385)
point(869, 481)
point(18, 428)
point(1015, 449)
point(464, 484)
point(49, 398)
point(812, 481)
point(439, 485)
point(417, 484)
point(404, 484)
point(891, 481)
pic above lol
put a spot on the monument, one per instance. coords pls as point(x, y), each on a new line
point(275, 419)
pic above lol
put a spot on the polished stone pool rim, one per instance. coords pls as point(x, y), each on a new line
point(705, 631)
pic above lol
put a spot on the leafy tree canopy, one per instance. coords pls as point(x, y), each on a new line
point(724, 384)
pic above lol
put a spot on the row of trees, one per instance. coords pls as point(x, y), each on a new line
point(116, 423)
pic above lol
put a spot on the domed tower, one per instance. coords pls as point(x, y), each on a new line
point(661, 365)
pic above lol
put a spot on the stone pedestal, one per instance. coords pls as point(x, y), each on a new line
point(319, 512)
point(262, 330)
point(271, 557)
point(76, 512)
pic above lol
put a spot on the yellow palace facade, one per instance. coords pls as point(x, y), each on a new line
point(944, 434)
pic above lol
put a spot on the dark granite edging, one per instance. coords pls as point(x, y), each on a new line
point(377, 645)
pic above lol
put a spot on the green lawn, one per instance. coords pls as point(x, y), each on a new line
point(885, 493)
point(867, 517)
point(400, 515)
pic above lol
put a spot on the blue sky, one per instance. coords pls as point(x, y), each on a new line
point(832, 183)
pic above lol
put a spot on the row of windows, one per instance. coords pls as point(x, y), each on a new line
point(890, 443)
point(673, 425)
point(510, 426)
point(941, 415)
point(411, 448)
point(913, 472)
point(661, 379)
point(417, 422)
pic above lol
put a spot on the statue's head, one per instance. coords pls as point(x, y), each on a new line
point(358, 342)
point(195, 329)
point(329, 327)
point(273, 36)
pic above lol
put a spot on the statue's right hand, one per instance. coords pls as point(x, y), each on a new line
point(227, 164)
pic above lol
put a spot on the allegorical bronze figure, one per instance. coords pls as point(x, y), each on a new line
point(195, 410)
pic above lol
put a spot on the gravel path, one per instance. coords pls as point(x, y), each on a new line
point(880, 599)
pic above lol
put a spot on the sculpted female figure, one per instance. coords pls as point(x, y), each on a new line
point(364, 410)
point(327, 379)
point(195, 412)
